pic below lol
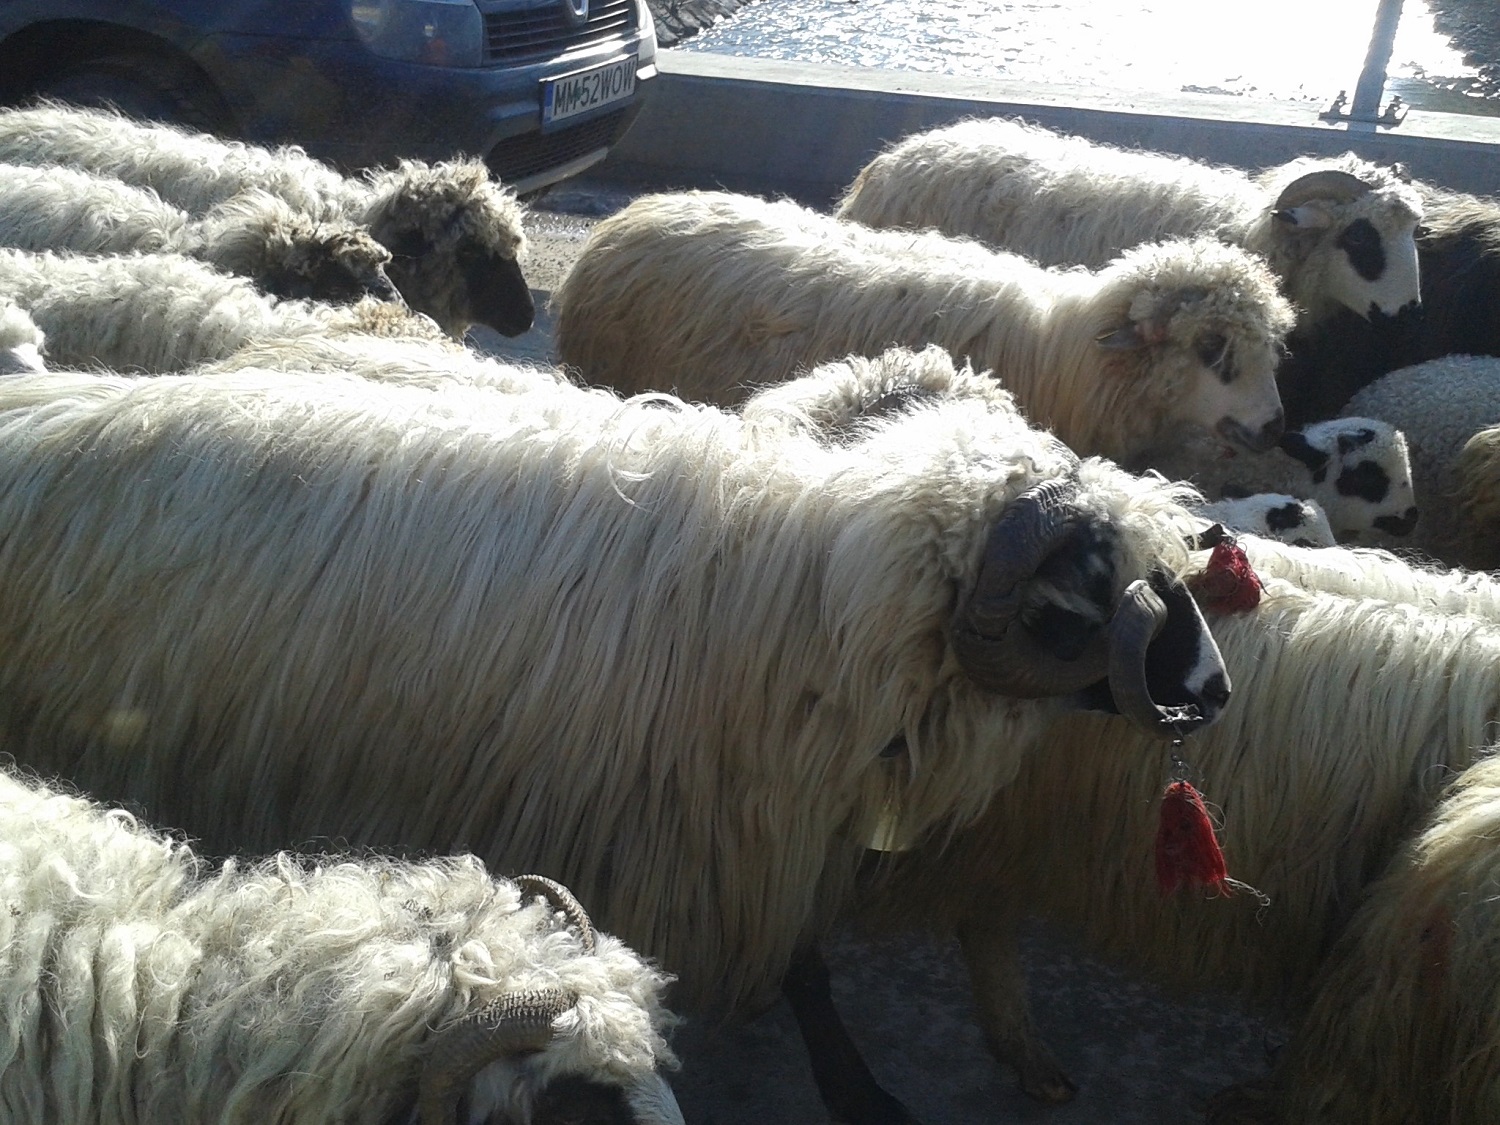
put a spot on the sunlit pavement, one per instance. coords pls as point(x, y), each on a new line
point(1138, 1056)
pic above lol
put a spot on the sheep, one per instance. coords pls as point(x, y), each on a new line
point(657, 655)
point(1403, 1024)
point(253, 234)
point(1112, 362)
point(1440, 405)
point(1358, 470)
point(1364, 572)
point(140, 983)
point(1316, 792)
point(164, 312)
point(456, 236)
point(1458, 250)
point(21, 341)
point(1338, 232)
point(1274, 515)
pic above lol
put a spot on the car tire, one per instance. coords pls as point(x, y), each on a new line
point(149, 87)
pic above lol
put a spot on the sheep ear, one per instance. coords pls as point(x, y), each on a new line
point(1309, 216)
point(1124, 339)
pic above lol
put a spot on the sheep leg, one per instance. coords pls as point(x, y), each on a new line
point(999, 981)
point(848, 1089)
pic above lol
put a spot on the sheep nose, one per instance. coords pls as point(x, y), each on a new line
point(1270, 433)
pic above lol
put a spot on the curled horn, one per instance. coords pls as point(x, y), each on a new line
point(1327, 183)
point(561, 899)
point(992, 651)
point(1137, 621)
point(515, 1024)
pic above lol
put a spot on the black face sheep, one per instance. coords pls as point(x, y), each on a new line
point(1440, 405)
point(1338, 231)
point(455, 235)
point(140, 983)
point(165, 312)
point(649, 651)
point(1356, 469)
point(1112, 362)
point(1351, 715)
point(254, 235)
point(21, 341)
point(1458, 249)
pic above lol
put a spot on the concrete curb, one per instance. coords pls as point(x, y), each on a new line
point(803, 130)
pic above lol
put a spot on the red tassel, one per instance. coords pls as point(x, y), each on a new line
point(1187, 853)
point(1228, 584)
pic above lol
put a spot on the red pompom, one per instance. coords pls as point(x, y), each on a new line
point(1187, 853)
point(1228, 583)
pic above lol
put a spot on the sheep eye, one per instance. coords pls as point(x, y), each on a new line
point(1213, 350)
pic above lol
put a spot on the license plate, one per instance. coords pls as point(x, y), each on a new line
point(573, 94)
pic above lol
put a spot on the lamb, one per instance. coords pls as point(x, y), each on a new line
point(1458, 250)
point(1316, 796)
point(1403, 1024)
point(1338, 232)
point(142, 984)
point(254, 235)
point(1358, 470)
point(660, 656)
point(1273, 515)
point(1440, 405)
point(1112, 362)
point(159, 313)
point(456, 235)
point(21, 341)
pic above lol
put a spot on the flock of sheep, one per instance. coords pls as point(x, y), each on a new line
point(860, 566)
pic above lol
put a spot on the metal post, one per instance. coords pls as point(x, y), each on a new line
point(1366, 108)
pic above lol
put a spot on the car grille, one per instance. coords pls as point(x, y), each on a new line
point(534, 34)
point(519, 157)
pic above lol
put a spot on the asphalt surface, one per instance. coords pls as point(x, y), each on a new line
point(1139, 1055)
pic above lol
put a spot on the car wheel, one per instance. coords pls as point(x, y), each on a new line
point(150, 87)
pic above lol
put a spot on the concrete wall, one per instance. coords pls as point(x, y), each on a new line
point(777, 128)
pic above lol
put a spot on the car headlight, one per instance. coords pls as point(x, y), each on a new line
point(434, 32)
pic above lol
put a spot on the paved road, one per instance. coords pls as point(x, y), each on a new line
point(1138, 1056)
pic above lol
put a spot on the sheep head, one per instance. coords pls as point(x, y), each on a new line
point(1347, 235)
point(291, 255)
point(1196, 328)
point(1038, 621)
point(457, 243)
point(493, 1060)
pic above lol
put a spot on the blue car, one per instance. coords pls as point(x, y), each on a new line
point(539, 88)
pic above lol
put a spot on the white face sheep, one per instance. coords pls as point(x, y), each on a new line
point(455, 234)
point(1458, 252)
point(21, 341)
point(164, 312)
point(141, 984)
point(1356, 469)
point(1316, 791)
point(1112, 362)
point(1440, 406)
point(576, 643)
point(1338, 232)
point(253, 234)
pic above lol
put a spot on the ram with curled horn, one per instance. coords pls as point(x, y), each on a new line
point(1338, 231)
point(304, 990)
point(655, 650)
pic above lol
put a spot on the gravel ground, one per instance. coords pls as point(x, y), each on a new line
point(1139, 1056)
